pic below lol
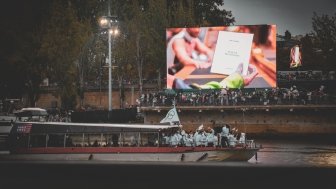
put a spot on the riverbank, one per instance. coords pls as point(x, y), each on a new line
point(281, 120)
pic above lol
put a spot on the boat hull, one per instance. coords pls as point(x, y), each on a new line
point(152, 154)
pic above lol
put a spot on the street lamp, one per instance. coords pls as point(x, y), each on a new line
point(111, 24)
point(244, 109)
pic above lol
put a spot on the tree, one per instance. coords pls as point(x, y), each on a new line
point(308, 56)
point(145, 21)
point(288, 35)
point(68, 49)
point(324, 32)
point(63, 37)
point(22, 68)
point(283, 58)
point(210, 13)
point(139, 49)
point(33, 68)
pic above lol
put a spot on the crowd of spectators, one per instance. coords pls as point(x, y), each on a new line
point(305, 75)
point(232, 97)
point(286, 76)
point(104, 84)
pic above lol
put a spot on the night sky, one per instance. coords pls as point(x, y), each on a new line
point(292, 15)
point(21, 14)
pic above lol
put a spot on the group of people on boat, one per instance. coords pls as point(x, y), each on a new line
point(203, 138)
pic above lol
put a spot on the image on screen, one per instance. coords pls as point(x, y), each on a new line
point(221, 57)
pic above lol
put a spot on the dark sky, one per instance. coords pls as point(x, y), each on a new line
point(292, 15)
point(23, 14)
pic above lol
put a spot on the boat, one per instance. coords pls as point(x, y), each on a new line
point(116, 142)
point(31, 114)
point(22, 115)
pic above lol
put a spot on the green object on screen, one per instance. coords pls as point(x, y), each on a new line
point(214, 84)
point(233, 81)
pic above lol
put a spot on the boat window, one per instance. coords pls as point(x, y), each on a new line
point(38, 140)
point(131, 139)
point(74, 140)
point(37, 118)
point(111, 139)
point(107, 140)
point(23, 119)
point(92, 140)
point(55, 140)
point(149, 139)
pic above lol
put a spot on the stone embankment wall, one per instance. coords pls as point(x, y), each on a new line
point(286, 120)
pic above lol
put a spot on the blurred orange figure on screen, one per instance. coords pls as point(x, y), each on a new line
point(185, 48)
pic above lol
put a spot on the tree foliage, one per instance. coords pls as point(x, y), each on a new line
point(288, 35)
point(142, 47)
point(324, 32)
point(64, 34)
point(308, 56)
point(68, 47)
point(22, 68)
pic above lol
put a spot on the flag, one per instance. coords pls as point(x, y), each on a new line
point(26, 128)
point(171, 117)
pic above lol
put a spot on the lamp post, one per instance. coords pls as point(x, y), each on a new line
point(111, 24)
point(244, 109)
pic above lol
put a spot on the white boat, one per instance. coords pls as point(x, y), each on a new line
point(115, 142)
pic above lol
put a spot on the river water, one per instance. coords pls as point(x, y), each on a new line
point(274, 153)
point(299, 163)
point(306, 152)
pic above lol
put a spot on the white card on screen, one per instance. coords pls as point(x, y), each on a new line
point(232, 49)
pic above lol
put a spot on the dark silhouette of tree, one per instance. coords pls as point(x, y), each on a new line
point(288, 35)
point(212, 13)
point(283, 58)
point(63, 37)
point(324, 32)
point(308, 55)
point(64, 43)
point(22, 68)
point(144, 23)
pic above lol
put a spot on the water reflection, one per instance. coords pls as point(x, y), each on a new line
point(296, 153)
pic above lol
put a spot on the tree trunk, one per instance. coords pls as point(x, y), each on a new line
point(139, 60)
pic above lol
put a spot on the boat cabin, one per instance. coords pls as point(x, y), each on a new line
point(31, 114)
point(60, 134)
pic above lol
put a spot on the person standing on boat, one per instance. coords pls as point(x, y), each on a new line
point(225, 136)
point(198, 138)
point(232, 140)
point(242, 139)
point(174, 140)
point(194, 137)
point(191, 138)
point(134, 141)
point(184, 137)
point(165, 139)
point(211, 138)
point(179, 137)
point(204, 139)
point(188, 139)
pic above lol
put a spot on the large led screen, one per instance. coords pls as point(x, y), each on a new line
point(221, 57)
